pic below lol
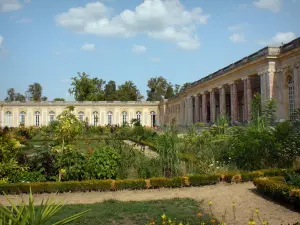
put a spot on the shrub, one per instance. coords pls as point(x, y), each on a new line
point(200, 180)
point(130, 184)
point(103, 163)
point(159, 182)
point(27, 176)
point(293, 179)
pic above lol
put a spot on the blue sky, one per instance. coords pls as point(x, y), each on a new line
point(49, 41)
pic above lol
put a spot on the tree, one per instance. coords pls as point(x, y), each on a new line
point(158, 87)
point(10, 95)
point(184, 87)
point(59, 99)
point(169, 92)
point(20, 97)
point(87, 89)
point(34, 92)
point(177, 90)
point(110, 91)
point(129, 92)
point(44, 98)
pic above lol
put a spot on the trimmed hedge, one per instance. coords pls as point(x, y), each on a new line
point(277, 189)
point(158, 182)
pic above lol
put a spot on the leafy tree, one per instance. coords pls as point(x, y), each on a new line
point(34, 92)
point(176, 90)
point(13, 96)
point(110, 91)
point(158, 87)
point(59, 99)
point(44, 98)
point(87, 89)
point(68, 127)
point(20, 97)
point(169, 92)
point(129, 92)
point(184, 87)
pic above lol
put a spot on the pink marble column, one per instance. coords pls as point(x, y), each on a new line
point(222, 100)
point(197, 108)
point(212, 106)
point(234, 102)
point(204, 108)
point(249, 98)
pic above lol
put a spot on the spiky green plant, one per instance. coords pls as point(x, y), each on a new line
point(30, 214)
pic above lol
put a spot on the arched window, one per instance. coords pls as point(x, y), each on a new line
point(22, 117)
point(8, 119)
point(95, 118)
point(138, 116)
point(291, 96)
point(153, 119)
point(51, 116)
point(124, 117)
point(81, 116)
point(109, 118)
point(37, 119)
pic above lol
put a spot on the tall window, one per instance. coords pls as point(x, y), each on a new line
point(138, 116)
point(124, 117)
point(291, 96)
point(95, 118)
point(22, 117)
point(81, 116)
point(37, 119)
point(51, 116)
point(109, 118)
point(153, 119)
point(8, 119)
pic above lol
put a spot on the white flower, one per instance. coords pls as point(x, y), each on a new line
point(211, 165)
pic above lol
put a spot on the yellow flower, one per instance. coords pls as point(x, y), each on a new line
point(210, 203)
point(163, 216)
point(180, 224)
point(257, 211)
point(251, 222)
point(265, 222)
point(62, 171)
point(233, 204)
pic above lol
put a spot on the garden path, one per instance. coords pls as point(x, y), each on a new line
point(221, 195)
point(147, 151)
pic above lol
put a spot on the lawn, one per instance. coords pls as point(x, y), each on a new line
point(128, 213)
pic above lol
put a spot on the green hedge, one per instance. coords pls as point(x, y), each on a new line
point(200, 180)
point(158, 182)
point(278, 190)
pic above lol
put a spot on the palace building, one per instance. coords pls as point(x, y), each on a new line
point(274, 72)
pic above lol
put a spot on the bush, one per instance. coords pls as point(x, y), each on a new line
point(200, 180)
point(103, 163)
point(293, 179)
point(278, 190)
point(27, 176)
point(160, 182)
point(130, 184)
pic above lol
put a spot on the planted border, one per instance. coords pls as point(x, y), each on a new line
point(132, 184)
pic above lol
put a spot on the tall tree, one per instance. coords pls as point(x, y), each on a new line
point(10, 95)
point(184, 87)
point(110, 91)
point(158, 87)
point(44, 98)
point(20, 97)
point(34, 92)
point(169, 92)
point(87, 89)
point(176, 90)
point(129, 92)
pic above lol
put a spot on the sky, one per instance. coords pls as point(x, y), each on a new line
point(49, 41)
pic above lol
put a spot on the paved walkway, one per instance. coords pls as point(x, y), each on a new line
point(222, 196)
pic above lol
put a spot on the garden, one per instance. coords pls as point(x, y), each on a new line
point(69, 155)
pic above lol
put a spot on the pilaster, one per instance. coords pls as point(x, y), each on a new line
point(234, 101)
point(204, 108)
point(212, 106)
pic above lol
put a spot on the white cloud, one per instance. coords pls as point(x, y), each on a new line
point(170, 22)
point(155, 60)
point(237, 38)
point(272, 5)
point(2, 50)
point(234, 28)
point(24, 20)
point(88, 47)
point(279, 38)
point(138, 49)
point(9, 5)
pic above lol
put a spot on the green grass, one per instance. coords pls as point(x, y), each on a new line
point(128, 213)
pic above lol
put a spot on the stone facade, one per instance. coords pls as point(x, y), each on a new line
point(95, 113)
point(274, 72)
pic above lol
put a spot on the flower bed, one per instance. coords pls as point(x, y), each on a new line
point(159, 182)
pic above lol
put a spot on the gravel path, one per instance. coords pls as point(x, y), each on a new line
point(222, 196)
point(147, 151)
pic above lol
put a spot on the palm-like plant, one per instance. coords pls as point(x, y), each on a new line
point(29, 214)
